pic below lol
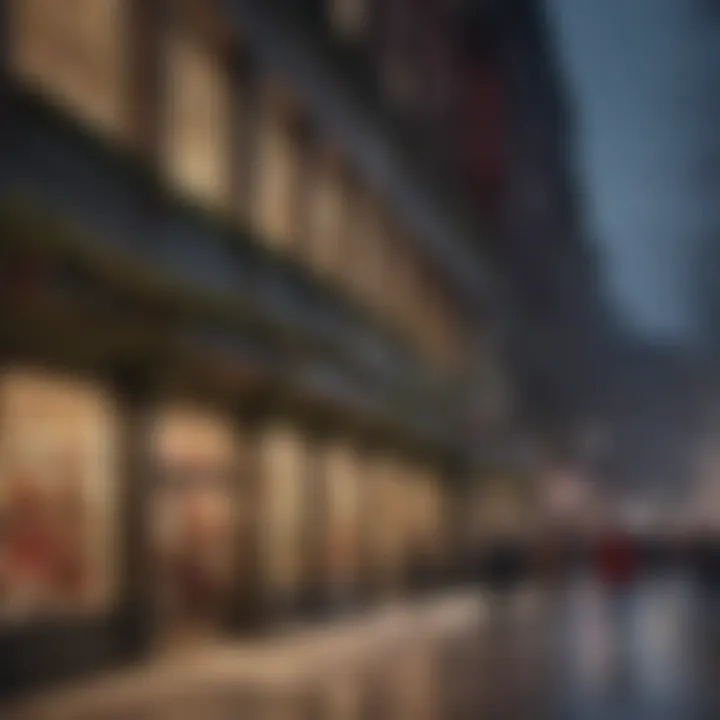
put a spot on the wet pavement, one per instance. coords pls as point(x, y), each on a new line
point(649, 653)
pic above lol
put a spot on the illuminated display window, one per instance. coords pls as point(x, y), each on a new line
point(197, 139)
point(76, 52)
point(282, 469)
point(371, 250)
point(195, 512)
point(58, 503)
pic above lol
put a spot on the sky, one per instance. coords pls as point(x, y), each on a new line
point(642, 76)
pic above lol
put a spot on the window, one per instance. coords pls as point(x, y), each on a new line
point(282, 457)
point(194, 520)
point(375, 246)
point(278, 166)
point(75, 51)
point(342, 482)
point(398, 37)
point(349, 17)
point(365, 257)
point(386, 507)
point(405, 287)
point(58, 506)
point(327, 212)
point(198, 132)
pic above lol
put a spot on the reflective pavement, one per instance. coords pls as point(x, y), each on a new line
point(578, 653)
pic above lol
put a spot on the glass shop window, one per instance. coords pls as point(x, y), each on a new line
point(196, 510)
point(76, 52)
point(58, 503)
point(282, 479)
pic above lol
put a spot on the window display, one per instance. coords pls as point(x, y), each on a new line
point(57, 504)
point(341, 478)
point(327, 212)
point(278, 166)
point(282, 481)
point(194, 519)
point(74, 50)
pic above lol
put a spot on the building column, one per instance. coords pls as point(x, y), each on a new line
point(135, 401)
point(247, 614)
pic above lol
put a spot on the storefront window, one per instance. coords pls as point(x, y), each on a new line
point(402, 291)
point(198, 119)
point(278, 167)
point(58, 505)
point(282, 455)
point(349, 17)
point(390, 529)
point(341, 477)
point(195, 512)
point(75, 51)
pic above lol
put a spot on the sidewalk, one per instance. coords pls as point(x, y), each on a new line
point(283, 666)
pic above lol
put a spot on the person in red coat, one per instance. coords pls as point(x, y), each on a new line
point(616, 563)
point(616, 559)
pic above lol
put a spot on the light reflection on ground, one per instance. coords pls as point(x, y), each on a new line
point(581, 653)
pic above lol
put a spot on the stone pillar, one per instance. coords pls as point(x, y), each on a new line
point(247, 615)
point(135, 393)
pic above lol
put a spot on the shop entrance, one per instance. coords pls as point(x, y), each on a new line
point(194, 518)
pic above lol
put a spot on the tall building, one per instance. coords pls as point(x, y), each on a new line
point(241, 321)
point(563, 328)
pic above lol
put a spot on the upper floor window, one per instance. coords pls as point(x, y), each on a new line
point(349, 17)
point(75, 51)
point(398, 39)
point(327, 204)
point(197, 114)
point(372, 250)
point(281, 467)
point(279, 157)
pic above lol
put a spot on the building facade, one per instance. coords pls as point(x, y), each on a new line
point(235, 332)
